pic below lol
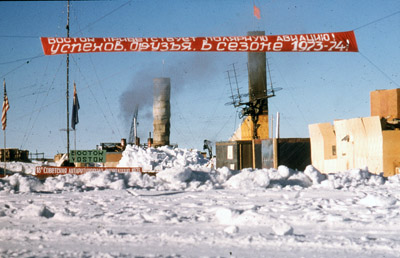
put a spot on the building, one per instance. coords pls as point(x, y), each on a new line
point(368, 142)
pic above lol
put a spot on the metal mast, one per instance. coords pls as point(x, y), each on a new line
point(133, 131)
point(67, 82)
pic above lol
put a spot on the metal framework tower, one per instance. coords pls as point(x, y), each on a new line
point(133, 131)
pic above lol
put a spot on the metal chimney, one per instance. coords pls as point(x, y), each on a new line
point(258, 91)
point(257, 74)
point(161, 111)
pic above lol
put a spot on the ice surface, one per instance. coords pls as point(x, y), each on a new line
point(191, 209)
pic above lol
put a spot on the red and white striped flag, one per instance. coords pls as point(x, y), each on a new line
point(6, 107)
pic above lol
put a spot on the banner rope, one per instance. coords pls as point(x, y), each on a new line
point(375, 21)
point(379, 69)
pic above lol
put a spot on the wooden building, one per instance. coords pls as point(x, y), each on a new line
point(367, 142)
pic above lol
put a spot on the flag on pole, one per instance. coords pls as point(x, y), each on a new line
point(6, 107)
point(75, 108)
point(257, 12)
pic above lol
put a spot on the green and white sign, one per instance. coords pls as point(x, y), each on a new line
point(87, 156)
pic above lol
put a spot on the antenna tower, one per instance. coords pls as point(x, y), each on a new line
point(133, 131)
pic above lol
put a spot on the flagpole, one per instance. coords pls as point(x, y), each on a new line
point(67, 93)
point(75, 119)
point(4, 129)
point(6, 106)
point(75, 144)
point(4, 152)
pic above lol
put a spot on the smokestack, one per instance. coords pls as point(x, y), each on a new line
point(258, 90)
point(257, 74)
point(161, 111)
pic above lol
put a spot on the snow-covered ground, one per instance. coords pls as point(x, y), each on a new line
point(192, 210)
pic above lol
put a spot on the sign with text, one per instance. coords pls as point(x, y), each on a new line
point(87, 156)
point(43, 171)
point(317, 42)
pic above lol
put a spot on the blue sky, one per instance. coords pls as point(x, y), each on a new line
point(316, 87)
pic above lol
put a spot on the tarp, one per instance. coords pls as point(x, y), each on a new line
point(317, 42)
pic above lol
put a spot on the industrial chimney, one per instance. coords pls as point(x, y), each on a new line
point(257, 73)
point(258, 86)
point(161, 111)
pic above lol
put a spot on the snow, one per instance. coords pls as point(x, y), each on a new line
point(191, 209)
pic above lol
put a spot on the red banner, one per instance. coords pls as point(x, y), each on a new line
point(318, 42)
point(43, 171)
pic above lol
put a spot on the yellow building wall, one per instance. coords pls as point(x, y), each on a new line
point(385, 103)
point(245, 131)
point(113, 158)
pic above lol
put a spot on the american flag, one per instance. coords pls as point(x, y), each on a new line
point(6, 107)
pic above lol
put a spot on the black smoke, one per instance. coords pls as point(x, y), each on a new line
point(195, 67)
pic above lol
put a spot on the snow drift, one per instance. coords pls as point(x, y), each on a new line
point(190, 209)
point(185, 170)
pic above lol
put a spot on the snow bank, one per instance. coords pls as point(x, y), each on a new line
point(186, 170)
point(20, 183)
point(248, 178)
point(158, 159)
point(352, 178)
point(22, 167)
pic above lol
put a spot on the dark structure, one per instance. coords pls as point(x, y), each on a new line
point(14, 155)
point(294, 153)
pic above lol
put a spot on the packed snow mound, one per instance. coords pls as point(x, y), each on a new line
point(373, 200)
point(175, 175)
point(187, 170)
point(24, 167)
point(240, 217)
point(282, 229)
point(315, 176)
point(35, 211)
point(158, 159)
point(20, 183)
point(248, 178)
point(198, 179)
point(352, 178)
